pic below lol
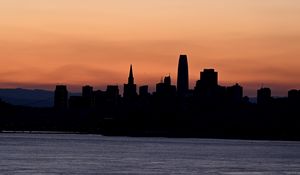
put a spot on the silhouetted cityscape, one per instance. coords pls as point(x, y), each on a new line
point(207, 110)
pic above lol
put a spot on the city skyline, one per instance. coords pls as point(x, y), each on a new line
point(254, 43)
point(150, 86)
point(192, 84)
point(207, 110)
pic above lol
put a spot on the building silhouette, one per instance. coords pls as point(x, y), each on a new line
point(264, 96)
point(112, 91)
point(294, 96)
point(235, 93)
point(209, 78)
point(130, 87)
point(208, 111)
point(87, 91)
point(183, 76)
point(61, 96)
point(165, 88)
point(143, 91)
point(207, 87)
point(99, 98)
point(76, 102)
point(88, 96)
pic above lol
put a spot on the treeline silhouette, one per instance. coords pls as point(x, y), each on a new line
point(209, 110)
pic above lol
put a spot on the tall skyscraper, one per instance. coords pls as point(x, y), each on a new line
point(61, 96)
point(130, 77)
point(183, 76)
point(130, 87)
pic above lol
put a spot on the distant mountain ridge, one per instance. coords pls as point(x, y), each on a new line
point(27, 97)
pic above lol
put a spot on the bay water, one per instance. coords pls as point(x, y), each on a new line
point(59, 154)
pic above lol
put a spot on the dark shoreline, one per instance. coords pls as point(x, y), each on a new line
point(278, 120)
point(150, 136)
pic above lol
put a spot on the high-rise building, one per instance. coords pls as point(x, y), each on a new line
point(167, 80)
point(207, 87)
point(61, 96)
point(165, 88)
point(209, 78)
point(130, 87)
point(264, 96)
point(182, 76)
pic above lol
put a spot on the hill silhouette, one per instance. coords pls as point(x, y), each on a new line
point(28, 97)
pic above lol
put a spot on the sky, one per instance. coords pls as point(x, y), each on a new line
point(46, 42)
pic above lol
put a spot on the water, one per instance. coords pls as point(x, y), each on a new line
point(94, 154)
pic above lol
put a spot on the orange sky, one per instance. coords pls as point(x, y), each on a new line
point(75, 42)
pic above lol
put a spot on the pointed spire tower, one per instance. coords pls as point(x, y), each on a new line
point(183, 76)
point(130, 78)
point(130, 88)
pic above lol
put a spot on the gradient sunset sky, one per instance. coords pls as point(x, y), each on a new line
point(78, 42)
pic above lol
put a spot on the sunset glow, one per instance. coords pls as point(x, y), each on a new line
point(75, 42)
